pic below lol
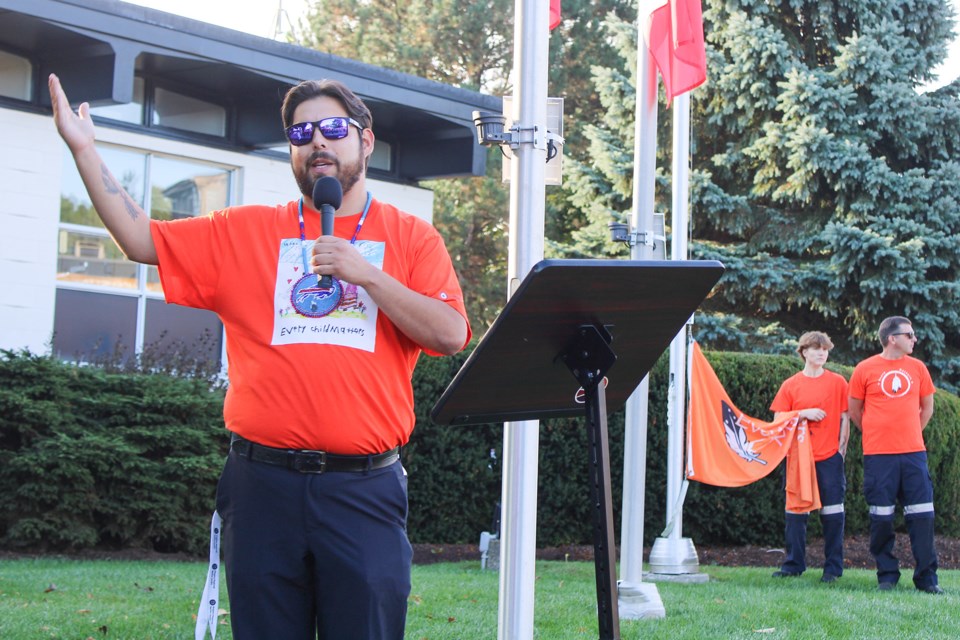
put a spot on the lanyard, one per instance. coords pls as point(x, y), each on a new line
point(303, 236)
point(208, 613)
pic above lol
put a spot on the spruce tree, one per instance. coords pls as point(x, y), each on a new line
point(821, 176)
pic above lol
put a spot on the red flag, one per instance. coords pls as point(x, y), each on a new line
point(554, 14)
point(727, 448)
point(673, 32)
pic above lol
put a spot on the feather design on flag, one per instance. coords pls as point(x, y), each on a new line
point(737, 437)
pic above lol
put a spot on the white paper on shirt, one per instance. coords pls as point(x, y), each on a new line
point(352, 324)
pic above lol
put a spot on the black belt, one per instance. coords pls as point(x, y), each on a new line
point(306, 461)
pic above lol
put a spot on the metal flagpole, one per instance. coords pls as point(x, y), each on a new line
point(635, 598)
point(527, 205)
point(673, 554)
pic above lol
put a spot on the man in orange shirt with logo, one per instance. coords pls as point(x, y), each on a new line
point(821, 398)
point(891, 400)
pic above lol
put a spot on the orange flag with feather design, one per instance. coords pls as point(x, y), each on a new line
point(727, 448)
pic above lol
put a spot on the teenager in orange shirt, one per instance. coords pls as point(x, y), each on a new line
point(313, 496)
point(821, 398)
point(891, 400)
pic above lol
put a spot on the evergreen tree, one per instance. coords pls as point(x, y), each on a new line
point(820, 176)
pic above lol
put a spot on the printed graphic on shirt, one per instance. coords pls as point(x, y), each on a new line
point(352, 324)
point(895, 383)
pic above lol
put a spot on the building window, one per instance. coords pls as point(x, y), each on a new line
point(382, 157)
point(108, 307)
point(175, 110)
point(16, 74)
point(167, 109)
point(131, 112)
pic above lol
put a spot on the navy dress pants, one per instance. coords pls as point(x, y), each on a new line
point(833, 489)
point(312, 556)
point(888, 478)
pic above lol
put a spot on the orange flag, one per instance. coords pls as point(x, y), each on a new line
point(727, 448)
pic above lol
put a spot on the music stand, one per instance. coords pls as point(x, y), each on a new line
point(548, 353)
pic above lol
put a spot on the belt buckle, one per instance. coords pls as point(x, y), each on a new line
point(307, 461)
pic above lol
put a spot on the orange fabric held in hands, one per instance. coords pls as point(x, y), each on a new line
point(727, 448)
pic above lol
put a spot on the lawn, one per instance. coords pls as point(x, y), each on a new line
point(125, 600)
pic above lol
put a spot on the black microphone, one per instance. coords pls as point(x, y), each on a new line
point(327, 196)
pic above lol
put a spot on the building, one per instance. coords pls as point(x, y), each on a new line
point(187, 118)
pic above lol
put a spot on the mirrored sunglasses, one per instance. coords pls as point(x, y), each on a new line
point(334, 128)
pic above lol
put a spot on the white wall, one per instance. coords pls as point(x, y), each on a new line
point(30, 167)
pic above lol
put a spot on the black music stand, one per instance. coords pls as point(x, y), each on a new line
point(564, 319)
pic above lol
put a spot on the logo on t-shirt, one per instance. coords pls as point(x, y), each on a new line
point(895, 383)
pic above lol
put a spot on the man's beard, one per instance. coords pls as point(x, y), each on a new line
point(347, 175)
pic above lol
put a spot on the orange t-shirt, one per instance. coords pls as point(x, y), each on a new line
point(339, 383)
point(828, 392)
point(891, 392)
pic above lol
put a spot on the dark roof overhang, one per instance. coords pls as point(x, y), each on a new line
point(97, 46)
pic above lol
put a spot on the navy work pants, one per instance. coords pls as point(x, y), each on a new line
point(315, 555)
point(888, 478)
point(833, 490)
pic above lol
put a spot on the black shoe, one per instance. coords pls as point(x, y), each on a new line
point(934, 589)
point(785, 574)
point(886, 586)
point(829, 577)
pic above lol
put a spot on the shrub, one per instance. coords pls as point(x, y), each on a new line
point(90, 458)
point(452, 494)
point(97, 458)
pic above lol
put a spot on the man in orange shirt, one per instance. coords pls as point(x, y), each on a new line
point(891, 400)
point(821, 398)
point(313, 496)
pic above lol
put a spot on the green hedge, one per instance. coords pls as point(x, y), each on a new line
point(94, 459)
point(453, 490)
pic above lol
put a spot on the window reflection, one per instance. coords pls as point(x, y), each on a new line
point(90, 327)
point(128, 168)
point(181, 189)
point(171, 109)
point(93, 259)
point(94, 319)
point(16, 74)
point(85, 252)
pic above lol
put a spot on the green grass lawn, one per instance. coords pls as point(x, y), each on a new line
point(126, 600)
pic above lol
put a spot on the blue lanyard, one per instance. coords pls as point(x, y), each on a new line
point(303, 235)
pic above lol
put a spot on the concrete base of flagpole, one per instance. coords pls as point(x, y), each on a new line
point(674, 560)
point(639, 601)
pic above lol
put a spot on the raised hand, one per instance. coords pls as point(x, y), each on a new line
point(76, 128)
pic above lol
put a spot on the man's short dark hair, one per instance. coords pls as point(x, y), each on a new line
point(309, 89)
point(890, 326)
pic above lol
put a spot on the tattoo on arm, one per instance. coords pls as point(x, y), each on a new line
point(113, 188)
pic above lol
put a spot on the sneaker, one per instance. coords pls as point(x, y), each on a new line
point(785, 574)
point(829, 577)
point(934, 589)
point(886, 586)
